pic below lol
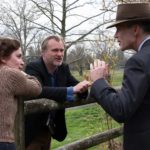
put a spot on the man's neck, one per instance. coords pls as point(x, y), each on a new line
point(143, 40)
point(51, 69)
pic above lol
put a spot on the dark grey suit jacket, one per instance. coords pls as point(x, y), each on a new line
point(130, 105)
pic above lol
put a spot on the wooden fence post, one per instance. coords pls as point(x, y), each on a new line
point(19, 126)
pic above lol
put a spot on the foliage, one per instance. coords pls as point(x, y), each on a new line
point(116, 76)
point(111, 60)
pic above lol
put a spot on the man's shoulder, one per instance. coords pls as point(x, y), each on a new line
point(37, 61)
point(36, 65)
point(64, 66)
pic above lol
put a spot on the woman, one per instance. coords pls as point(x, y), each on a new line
point(13, 83)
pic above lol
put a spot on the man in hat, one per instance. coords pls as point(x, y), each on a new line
point(131, 104)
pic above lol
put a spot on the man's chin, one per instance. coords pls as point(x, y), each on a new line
point(58, 64)
point(122, 48)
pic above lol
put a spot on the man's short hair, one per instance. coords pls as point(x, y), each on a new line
point(45, 42)
point(145, 25)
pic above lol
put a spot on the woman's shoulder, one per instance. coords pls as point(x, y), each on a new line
point(19, 83)
point(11, 73)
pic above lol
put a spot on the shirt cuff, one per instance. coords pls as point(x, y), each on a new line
point(70, 95)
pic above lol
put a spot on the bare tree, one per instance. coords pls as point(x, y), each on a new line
point(24, 19)
point(133, 1)
point(63, 17)
point(13, 19)
point(79, 59)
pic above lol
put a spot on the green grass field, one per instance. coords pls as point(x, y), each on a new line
point(116, 77)
point(87, 120)
point(83, 122)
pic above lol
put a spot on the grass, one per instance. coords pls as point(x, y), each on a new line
point(116, 77)
point(87, 120)
point(83, 122)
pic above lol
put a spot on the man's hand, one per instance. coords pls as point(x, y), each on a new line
point(99, 69)
point(81, 87)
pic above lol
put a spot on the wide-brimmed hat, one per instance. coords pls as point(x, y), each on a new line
point(132, 12)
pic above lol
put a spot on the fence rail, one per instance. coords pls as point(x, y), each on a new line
point(44, 105)
point(93, 140)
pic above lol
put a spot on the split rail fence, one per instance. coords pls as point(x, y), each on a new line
point(43, 105)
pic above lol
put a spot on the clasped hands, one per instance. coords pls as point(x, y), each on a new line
point(99, 69)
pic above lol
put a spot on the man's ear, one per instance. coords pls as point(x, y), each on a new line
point(136, 29)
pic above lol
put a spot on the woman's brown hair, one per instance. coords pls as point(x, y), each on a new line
point(8, 46)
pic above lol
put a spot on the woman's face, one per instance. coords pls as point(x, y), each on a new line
point(14, 60)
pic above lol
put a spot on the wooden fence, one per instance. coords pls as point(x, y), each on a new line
point(43, 105)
